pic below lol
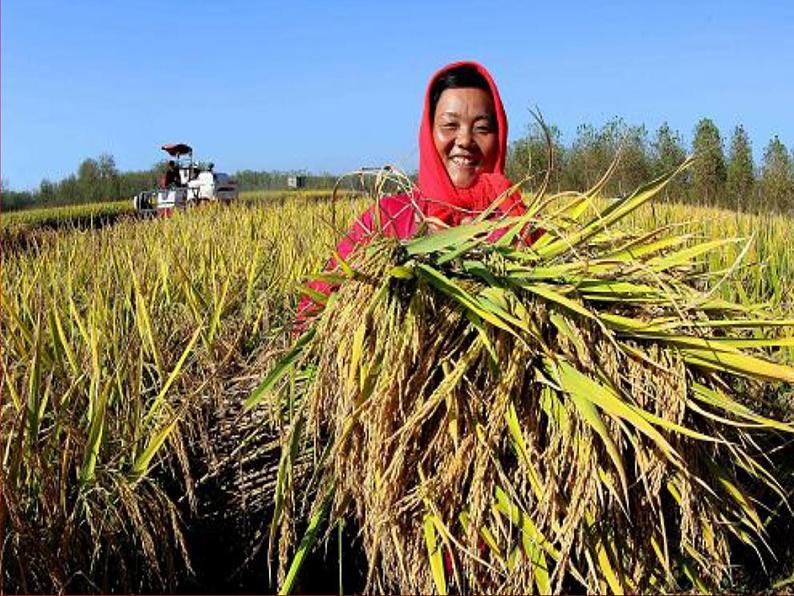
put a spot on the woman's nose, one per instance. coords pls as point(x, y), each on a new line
point(464, 137)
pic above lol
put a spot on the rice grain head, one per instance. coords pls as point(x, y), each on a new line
point(509, 420)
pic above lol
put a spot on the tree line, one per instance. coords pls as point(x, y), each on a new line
point(719, 177)
point(98, 179)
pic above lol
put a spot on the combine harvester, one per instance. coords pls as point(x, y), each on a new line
point(196, 183)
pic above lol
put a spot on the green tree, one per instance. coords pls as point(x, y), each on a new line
point(47, 191)
point(70, 191)
point(88, 179)
point(740, 172)
point(708, 171)
point(591, 153)
point(108, 177)
point(667, 153)
point(594, 150)
point(667, 150)
point(777, 179)
point(634, 164)
point(528, 156)
point(14, 199)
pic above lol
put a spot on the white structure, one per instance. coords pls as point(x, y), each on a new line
point(198, 184)
point(296, 181)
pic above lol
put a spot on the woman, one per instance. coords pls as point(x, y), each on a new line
point(462, 152)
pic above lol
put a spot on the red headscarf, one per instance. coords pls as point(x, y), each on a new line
point(436, 196)
point(441, 198)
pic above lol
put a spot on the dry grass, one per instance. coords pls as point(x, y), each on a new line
point(121, 351)
point(106, 462)
point(547, 419)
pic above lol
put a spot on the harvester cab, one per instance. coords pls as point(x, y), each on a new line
point(192, 183)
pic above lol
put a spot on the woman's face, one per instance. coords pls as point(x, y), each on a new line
point(465, 135)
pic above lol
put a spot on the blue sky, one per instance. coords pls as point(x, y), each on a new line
point(331, 86)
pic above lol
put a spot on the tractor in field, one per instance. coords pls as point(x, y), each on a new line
point(186, 182)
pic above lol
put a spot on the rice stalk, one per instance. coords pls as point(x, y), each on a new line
point(559, 417)
point(121, 352)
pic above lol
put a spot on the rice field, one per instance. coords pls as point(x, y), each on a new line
point(128, 351)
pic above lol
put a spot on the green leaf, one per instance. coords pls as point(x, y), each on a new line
point(218, 311)
point(454, 291)
point(57, 325)
point(435, 554)
point(158, 401)
point(316, 296)
point(346, 268)
point(572, 385)
point(281, 368)
point(614, 213)
point(95, 432)
point(551, 295)
point(401, 272)
point(684, 256)
point(141, 465)
point(720, 400)
point(739, 364)
point(143, 319)
point(637, 250)
point(306, 545)
point(329, 278)
point(520, 445)
point(454, 236)
point(524, 522)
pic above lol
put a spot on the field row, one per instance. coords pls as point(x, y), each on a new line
point(121, 343)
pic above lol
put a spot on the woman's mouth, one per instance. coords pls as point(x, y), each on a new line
point(463, 161)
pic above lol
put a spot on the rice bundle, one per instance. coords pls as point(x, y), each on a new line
point(550, 418)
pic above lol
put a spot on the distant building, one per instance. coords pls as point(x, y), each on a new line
point(296, 181)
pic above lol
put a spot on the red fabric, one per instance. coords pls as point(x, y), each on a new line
point(435, 195)
point(177, 149)
point(397, 220)
point(441, 198)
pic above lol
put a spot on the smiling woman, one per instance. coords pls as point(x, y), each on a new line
point(462, 151)
point(465, 131)
point(465, 134)
point(463, 146)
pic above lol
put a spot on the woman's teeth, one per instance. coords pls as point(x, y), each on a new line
point(464, 162)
